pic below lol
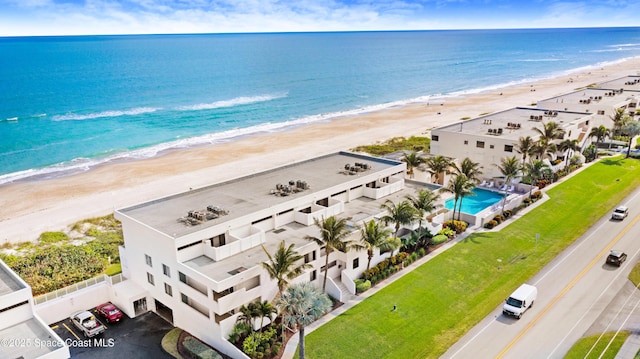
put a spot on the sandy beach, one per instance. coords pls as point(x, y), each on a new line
point(50, 205)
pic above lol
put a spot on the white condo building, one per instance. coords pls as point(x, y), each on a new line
point(22, 333)
point(196, 255)
point(490, 138)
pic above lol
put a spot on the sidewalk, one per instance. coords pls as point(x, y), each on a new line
point(630, 347)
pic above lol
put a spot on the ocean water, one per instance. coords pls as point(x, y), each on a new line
point(70, 103)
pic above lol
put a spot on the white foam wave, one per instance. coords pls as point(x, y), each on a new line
point(540, 60)
point(244, 100)
point(114, 113)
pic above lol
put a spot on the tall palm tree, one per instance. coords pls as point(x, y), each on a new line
point(399, 214)
point(333, 236)
point(549, 132)
point(425, 202)
point(437, 165)
point(472, 170)
point(568, 146)
point(282, 265)
point(373, 236)
point(525, 147)
point(534, 171)
point(413, 161)
point(632, 129)
point(460, 186)
point(600, 133)
point(510, 168)
point(301, 304)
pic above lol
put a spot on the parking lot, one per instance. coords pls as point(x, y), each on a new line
point(139, 337)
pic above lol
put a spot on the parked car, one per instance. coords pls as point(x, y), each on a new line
point(109, 312)
point(620, 213)
point(88, 323)
point(616, 258)
point(520, 300)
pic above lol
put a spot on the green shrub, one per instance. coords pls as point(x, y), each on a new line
point(447, 232)
point(490, 224)
point(498, 218)
point(439, 238)
point(457, 226)
point(53, 237)
point(421, 252)
point(199, 350)
point(362, 285)
point(507, 213)
point(527, 200)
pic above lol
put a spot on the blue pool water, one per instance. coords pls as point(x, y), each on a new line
point(473, 204)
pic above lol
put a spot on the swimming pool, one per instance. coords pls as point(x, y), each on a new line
point(473, 204)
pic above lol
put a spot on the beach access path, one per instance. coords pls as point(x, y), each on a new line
point(31, 208)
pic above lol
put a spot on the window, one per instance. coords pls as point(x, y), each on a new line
point(147, 259)
point(435, 138)
point(466, 142)
point(168, 289)
point(184, 298)
point(480, 144)
point(314, 275)
point(183, 277)
point(166, 270)
point(491, 146)
point(150, 278)
point(356, 263)
point(508, 148)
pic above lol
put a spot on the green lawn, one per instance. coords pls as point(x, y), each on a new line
point(586, 345)
point(441, 300)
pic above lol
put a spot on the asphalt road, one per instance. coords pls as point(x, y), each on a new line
point(138, 337)
point(578, 294)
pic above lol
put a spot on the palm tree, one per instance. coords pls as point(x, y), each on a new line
point(600, 133)
point(525, 147)
point(282, 265)
point(472, 170)
point(425, 202)
point(437, 165)
point(301, 304)
point(550, 131)
point(248, 313)
point(568, 146)
point(333, 236)
point(460, 186)
point(372, 237)
point(265, 309)
point(619, 121)
point(632, 129)
point(413, 161)
point(534, 171)
point(510, 168)
point(402, 213)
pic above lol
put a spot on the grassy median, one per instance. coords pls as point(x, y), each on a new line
point(440, 301)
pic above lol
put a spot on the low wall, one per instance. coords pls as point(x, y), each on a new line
point(62, 307)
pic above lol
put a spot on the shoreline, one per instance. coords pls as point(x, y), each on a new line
point(35, 206)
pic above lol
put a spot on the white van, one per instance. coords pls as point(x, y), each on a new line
point(520, 300)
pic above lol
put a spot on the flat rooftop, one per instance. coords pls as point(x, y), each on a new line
point(8, 282)
point(513, 123)
point(356, 211)
point(36, 339)
point(627, 83)
point(249, 194)
point(588, 100)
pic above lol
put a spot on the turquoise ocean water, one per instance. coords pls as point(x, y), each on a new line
point(70, 103)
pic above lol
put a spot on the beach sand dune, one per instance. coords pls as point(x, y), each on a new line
point(50, 205)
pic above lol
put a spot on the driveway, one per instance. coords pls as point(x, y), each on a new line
point(139, 337)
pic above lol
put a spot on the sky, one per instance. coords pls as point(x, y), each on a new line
point(92, 17)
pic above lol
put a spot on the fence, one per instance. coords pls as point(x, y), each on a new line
point(78, 286)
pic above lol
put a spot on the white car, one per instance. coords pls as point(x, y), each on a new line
point(620, 213)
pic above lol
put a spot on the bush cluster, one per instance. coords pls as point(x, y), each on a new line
point(536, 195)
point(457, 226)
point(261, 344)
point(198, 350)
point(440, 238)
point(385, 268)
point(362, 285)
point(450, 233)
point(491, 224)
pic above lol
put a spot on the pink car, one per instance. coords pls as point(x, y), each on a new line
point(109, 312)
